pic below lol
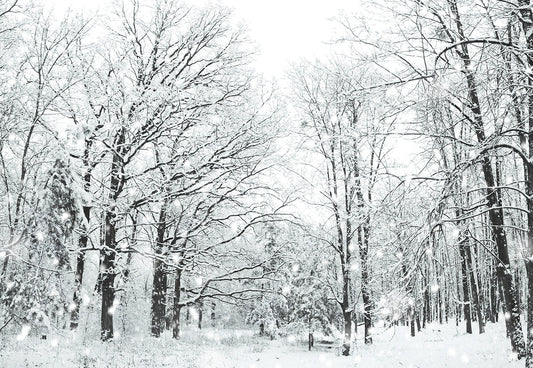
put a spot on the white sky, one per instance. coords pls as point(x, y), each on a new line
point(285, 30)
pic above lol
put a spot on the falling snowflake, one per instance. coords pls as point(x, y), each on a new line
point(291, 338)
point(199, 280)
point(24, 331)
point(111, 310)
point(295, 268)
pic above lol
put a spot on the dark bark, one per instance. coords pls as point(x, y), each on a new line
point(427, 307)
point(200, 314)
point(476, 296)
point(365, 284)
point(108, 274)
point(411, 313)
point(493, 295)
point(108, 252)
point(463, 243)
point(529, 270)
point(177, 306)
point(80, 266)
point(213, 316)
point(84, 237)
point(347, 332)
point(159, 288)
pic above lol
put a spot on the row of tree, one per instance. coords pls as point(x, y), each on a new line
point(407, 197)
point(141, 136)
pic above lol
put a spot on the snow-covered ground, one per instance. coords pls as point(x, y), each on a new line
point(437, 346)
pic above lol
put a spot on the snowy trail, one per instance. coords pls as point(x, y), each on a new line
point(438, 346)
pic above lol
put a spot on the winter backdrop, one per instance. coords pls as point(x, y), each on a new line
point(281, 184)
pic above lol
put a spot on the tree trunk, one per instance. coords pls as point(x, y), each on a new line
point(82, 242)
point(80, 266)
point(177, 307)
point(347, 332)
point(158, 298)
point(346, 310)
point(463, 243)
point(200, 306)
point(159, 288)
point(213, 315)
point(365, 281)
point(108, 274)
point(476, 297)
point(411, 313)
point(108, 252)
point(493, 295)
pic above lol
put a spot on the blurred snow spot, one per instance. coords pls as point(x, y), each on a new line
point(295, 268)
point(24, 331)
point(451, 352)
point(199, 280)
point(291, 339)
point(455, 233)
point(85, 299)
point(54, 343)
point(194, 313)
point(464, 358)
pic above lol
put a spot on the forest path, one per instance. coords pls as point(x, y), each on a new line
point(438, 346)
